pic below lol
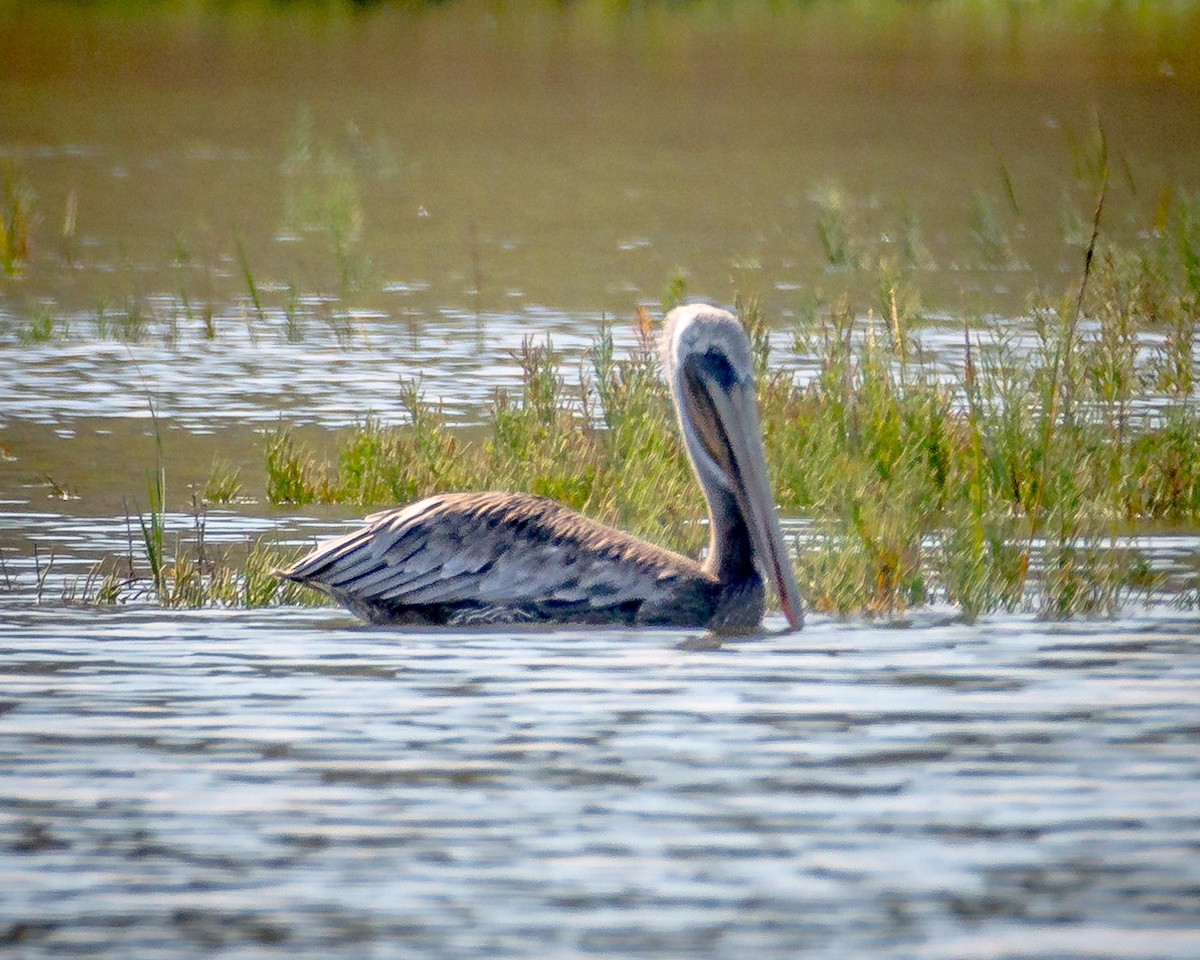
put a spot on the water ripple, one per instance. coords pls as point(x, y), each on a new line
point(281, 780)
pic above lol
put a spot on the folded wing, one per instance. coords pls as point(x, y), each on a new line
point(501, 555)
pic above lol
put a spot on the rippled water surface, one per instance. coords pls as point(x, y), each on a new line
point(284, 783)
point(247, 212)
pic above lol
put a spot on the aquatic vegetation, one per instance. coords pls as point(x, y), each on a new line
point(293, 316)
point(1022, 469)
point(615, 424)
point(914, 253)
point(183, 571)
point(833, 228)
point(322, 197)
point(182, 265)
point(988, 231)
point(191, 575)
point(177, 568)
point(16, 205)
point(675, 290)
point(1012, 481)
point(41, 575)
point(129, 324)
point(251, 286)
point(224, 482)
point(290, 470)
point(40, 328)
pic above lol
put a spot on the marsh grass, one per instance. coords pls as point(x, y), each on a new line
point(188, 574)
point(123, 314)
point(989, 233)
point(550, 437)
point(1013, 480)
point(323, 213)
point(176, 568)
point(833, 228)
point(182, 569)
point(224, 482)
point(322, 198)
point(16, 212)
point(41, 327)
point(127, 323)
point(251, 285)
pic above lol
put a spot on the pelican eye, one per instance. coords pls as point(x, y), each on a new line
point(715, 366)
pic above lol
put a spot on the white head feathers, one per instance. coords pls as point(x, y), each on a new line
point(694, 328)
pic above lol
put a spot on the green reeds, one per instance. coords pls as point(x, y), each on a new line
point(833, 228)
point(129, 325)
point(615, 423)
point(191, 577)
point(184, 570)
point(152, 526)
point(995, 250)
point(322, 197)
point(40, 328)
point(251, 286)
point(224, 482)
point(1012, 480)
point(16, 204)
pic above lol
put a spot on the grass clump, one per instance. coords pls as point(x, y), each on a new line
point(16, 206)
point(127, 325)
point(605, 445)
point(1012, 478)
point(375, 464)
point(192, 576)
point(322, 198)
point(41, 328)
point(224, 482)
point(833, 228)
point(185, 571)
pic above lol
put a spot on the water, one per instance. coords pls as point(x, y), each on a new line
point(413, 194)
point(287, 781)
point(504, 159)
point(284, 782)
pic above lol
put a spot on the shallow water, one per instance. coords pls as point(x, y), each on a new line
point(283, 782)
point(286, 781)
point(504, 159)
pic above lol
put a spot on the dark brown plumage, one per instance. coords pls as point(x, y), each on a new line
point(479, 558)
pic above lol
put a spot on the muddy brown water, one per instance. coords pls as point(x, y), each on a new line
point(413, 193)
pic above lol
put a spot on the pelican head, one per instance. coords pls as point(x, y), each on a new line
point(710, 369)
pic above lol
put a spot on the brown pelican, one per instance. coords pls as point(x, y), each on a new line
point(484, 558)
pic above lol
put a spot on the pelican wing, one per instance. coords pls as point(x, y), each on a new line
point(491, 551)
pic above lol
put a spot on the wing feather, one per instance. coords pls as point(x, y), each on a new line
point(494, 549)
